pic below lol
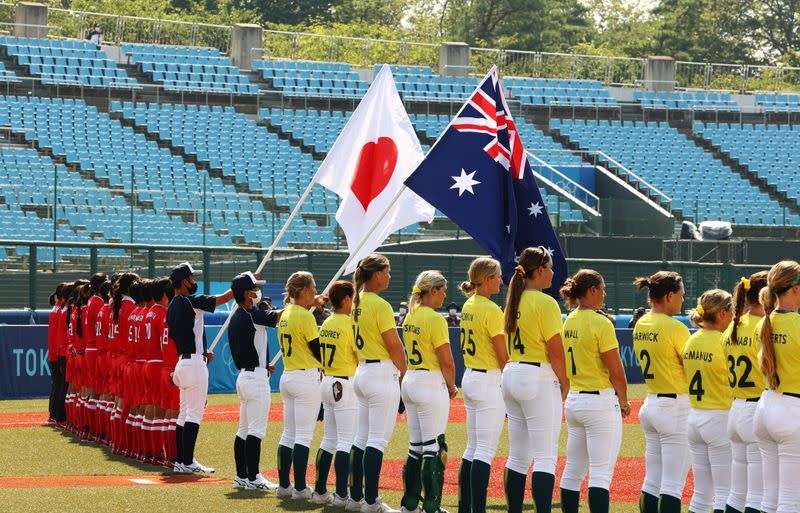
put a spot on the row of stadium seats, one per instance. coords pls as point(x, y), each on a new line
point(539, 91)
point(699, 185)
point(777, 102)
point(685, 100)
point(312, 79)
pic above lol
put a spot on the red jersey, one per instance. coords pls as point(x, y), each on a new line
point(136, 333)
point(61, 330)
point(72, 328)
point(52, 335)
point(155, 330)
point(101, 327)
point(89, 320)
point(169, 351)
point(118, 330)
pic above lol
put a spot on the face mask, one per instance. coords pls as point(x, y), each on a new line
point(402, 311)
point(453, 313)
point(192, 288)
point(258, 296)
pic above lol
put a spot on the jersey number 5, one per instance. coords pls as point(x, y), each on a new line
point(415, 358)
point(286, 344)
point(467, 343)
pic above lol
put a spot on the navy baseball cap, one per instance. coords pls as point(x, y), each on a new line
point(245, 281)
point(182, 271)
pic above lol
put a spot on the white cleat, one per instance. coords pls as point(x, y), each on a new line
point(403, 509)
point(284, 493)
point(240, 483)
point(377, 507)
point(341, 502)
point(325, 498)
point(304, 494)
point(353, 505)
point(259, 483)
point(197, 468)
point(179, 468)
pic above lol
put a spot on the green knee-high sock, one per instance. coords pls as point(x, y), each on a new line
point(570, 501)
point(300, 462)
point(412, 481)
point(599, 500)
point(719, 511)
point(432, 482)
point(515, 490)
point(284, 466)
point(324, 459)
point(669, 504)
point(542, 487)
point(648, 503)
point(341, 465)
point(356, 473)
point(479, 481)
point(729, 509)
point(373, 461)
point(751, 510)
point(464, 488)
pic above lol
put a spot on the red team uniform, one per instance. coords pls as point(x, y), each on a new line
point(155, 331)
point(88, 329)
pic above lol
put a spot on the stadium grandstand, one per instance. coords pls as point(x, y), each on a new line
point(210, 141)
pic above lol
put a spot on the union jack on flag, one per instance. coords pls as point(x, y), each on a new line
point(477, 173)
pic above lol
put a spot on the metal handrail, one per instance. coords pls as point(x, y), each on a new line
point(634, 175)
point(590, 197)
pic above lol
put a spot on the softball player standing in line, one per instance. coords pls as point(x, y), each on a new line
point(427, 390)
point(382, 364)
point(483, 346)
point(658, 342)
point(741, 350)
point(339, 362)
point(299, 341)
point(710, 393)
point(777, 416)
point(534, 381)
point(598, 397)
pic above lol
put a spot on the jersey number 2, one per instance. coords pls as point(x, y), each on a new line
point(644, 356)
point(743, 382)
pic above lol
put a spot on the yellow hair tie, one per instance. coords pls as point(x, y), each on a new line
point(746, 283)
point(520, 270)
point(700, 310)
point(416, 290)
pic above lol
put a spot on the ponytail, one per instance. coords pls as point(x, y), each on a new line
point(766, 357)
point(529, 261)
point(121, 288)
point(576, 286)
point(425, 282)
point(783, 276)
point(479, 269)
point(738, 309)
point(746, 293)
point(368, 266)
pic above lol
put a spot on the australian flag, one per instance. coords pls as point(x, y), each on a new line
point(477, 173)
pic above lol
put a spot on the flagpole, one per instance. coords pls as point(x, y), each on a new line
point(268, 255)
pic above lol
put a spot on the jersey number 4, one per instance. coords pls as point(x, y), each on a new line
point(696, 386)
point(743, 382)
point(515, 343)
point(467, 342)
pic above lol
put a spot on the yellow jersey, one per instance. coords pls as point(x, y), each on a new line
point(375, 317)
point(587, 335)
point(296, 329)
point(424, 331)
point(786, 342)
point(481, 321)
point(744, 372)
point(658, 342)
point(705, 368)
point(538, 320)
point(337, 346)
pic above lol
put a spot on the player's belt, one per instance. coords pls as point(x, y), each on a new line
point(592, 392)
point(752, 399)
point(478, 370)
point(188, 356)
point(535, 364)
point(792, 395)
point(671, 396)
point(373, 361)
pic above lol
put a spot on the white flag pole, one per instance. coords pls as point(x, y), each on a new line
point(268, 255)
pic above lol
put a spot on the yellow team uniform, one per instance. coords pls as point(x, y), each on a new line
point(658, 342)
point(296, 329)
point(337, 346)
point(786, 342)
point(375, 317)
point(588, 334)
point(481, 321)
point(744, 372)
point(424, 331)
point(705, 368)
point(538, 320)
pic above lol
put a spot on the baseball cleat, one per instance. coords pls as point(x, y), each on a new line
point(259, 483)
point(284, 492)
point(304, 494)
point(340, 502)
point(325, 498)
point(377, 507)
point(179, 468)
point(197, 468)
point(240, 483)
point(353, 505)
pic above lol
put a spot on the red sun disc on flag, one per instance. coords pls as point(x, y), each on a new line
point(374, 169)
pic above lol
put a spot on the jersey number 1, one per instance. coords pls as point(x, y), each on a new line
point(572, 360)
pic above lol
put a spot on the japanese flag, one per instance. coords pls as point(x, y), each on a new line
point(367, 165)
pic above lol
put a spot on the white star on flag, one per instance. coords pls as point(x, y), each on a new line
point(464, 182)
point(550, 252)
point(535, 209)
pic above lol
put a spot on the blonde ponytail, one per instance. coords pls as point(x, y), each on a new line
point(425, 282)
point(368, 266)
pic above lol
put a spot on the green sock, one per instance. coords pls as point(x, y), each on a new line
point(324, 459)
point(479, 482)
point(599, 500)
point(412, 481)
point(514, 483)
point(373, 461)
point(542, 487)
point(300, 462)
point(751, 510)
point(669, 504)
point(432, 482)
point(341, 466)
point(570, 501)
point(464, 489)
point(284, 466)
point(719, 511)
point(648, 503)
point(356, 473)
point(729, 509)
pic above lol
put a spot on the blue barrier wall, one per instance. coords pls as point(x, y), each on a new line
point(24, 372)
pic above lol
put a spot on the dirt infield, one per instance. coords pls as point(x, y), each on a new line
point(140, 480)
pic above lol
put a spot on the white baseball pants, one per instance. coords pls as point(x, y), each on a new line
point(777, 421)
point(594, 436)
point(377, 387)
point(663, 420)
point(428, 406)
point(532, 397)
point(341, 414)
point(747, 486)
point(711, 458)
point(254, 400)
point(301, 401)
point(483, 401)
point(191, 376)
